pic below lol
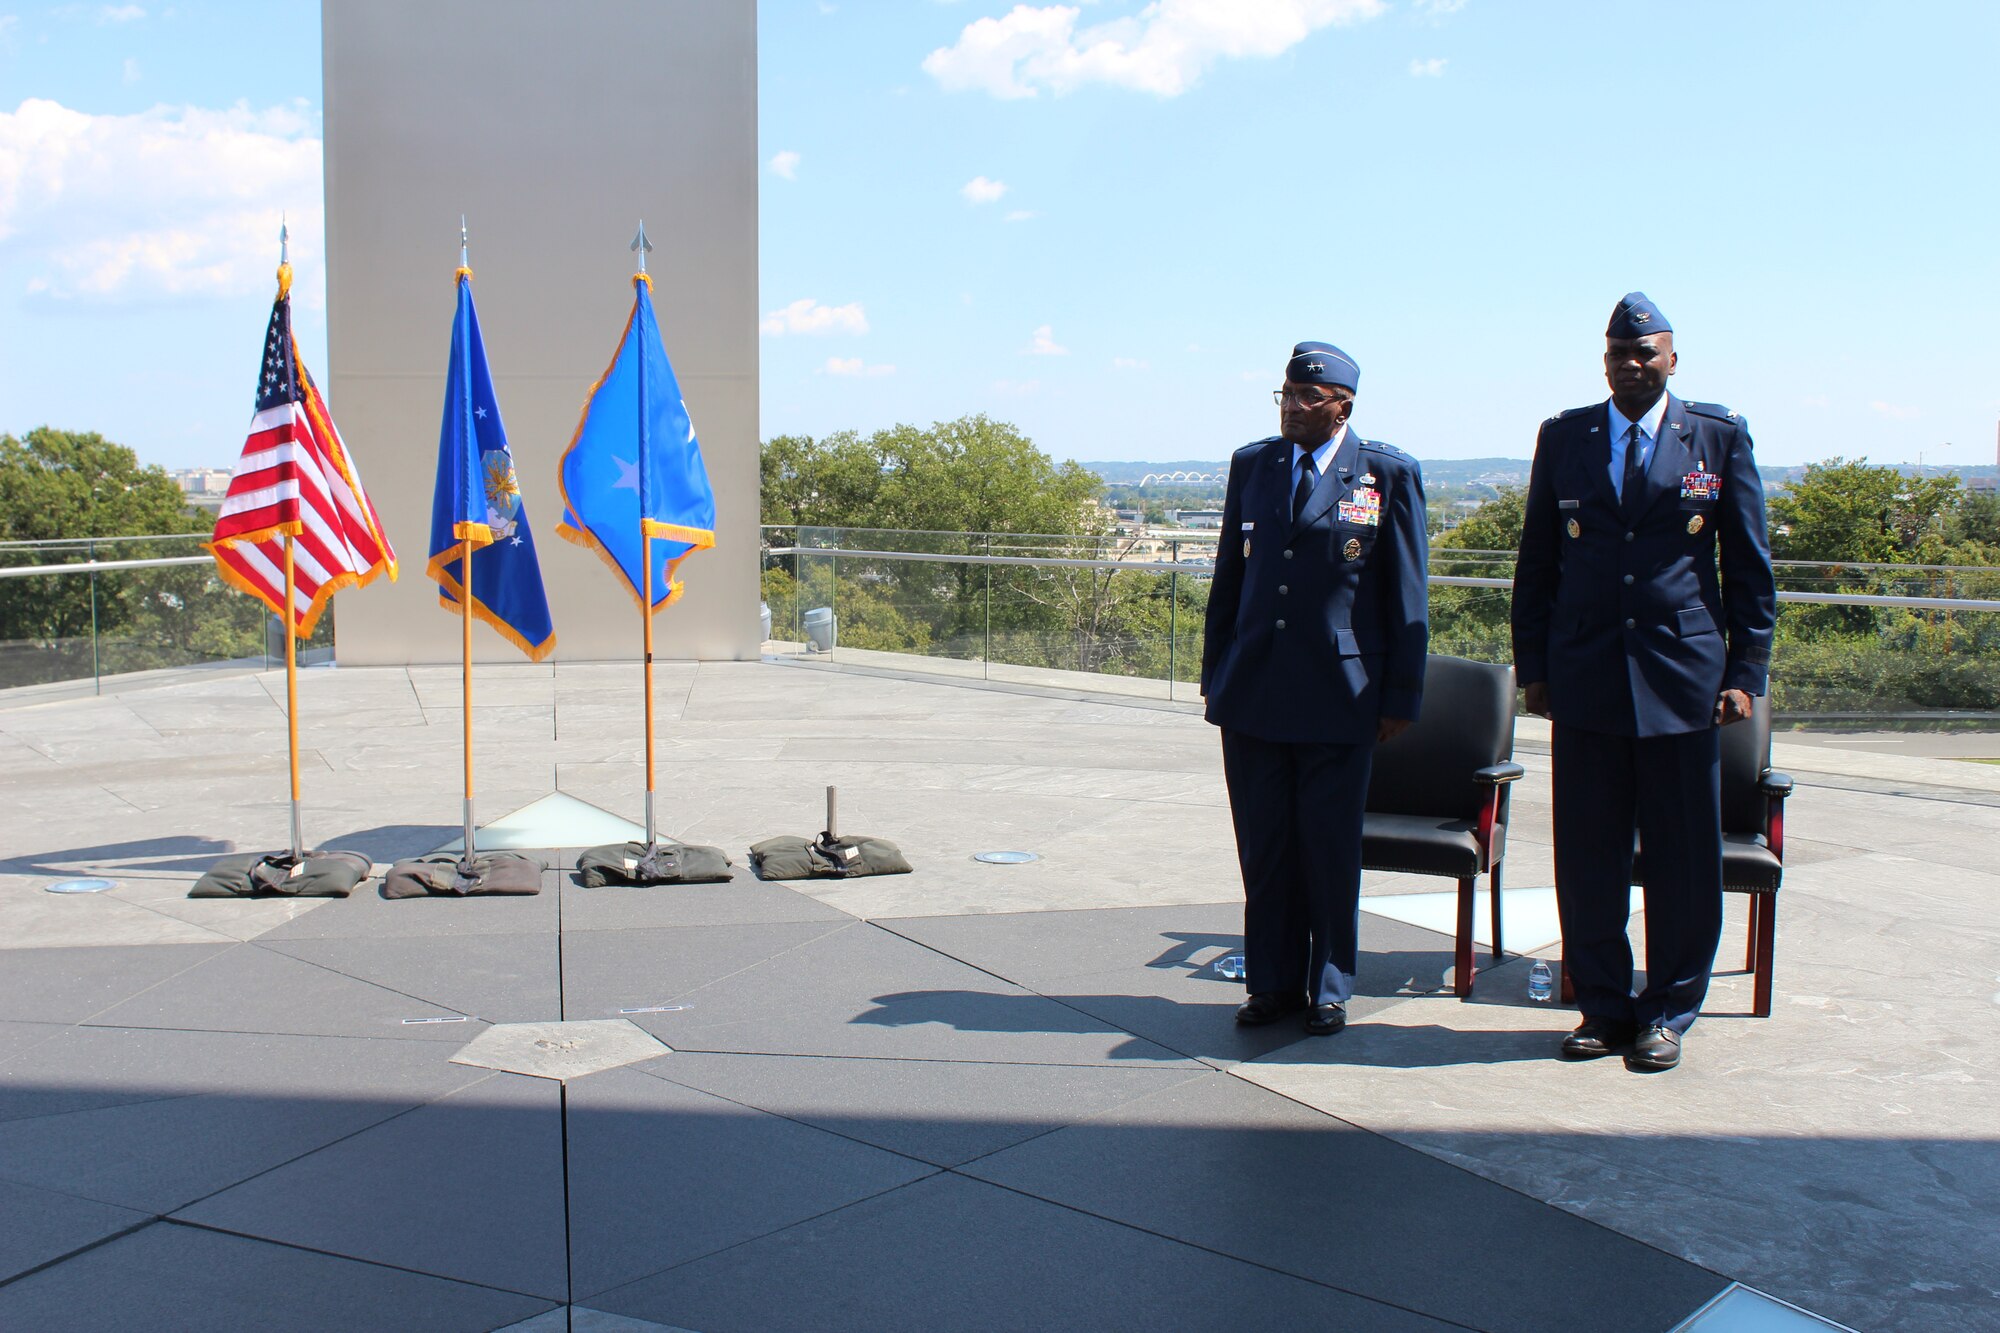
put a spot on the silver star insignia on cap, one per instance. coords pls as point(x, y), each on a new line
point(1641, 317)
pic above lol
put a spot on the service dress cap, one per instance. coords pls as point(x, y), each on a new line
point(1322, 363)
point(1635, 316)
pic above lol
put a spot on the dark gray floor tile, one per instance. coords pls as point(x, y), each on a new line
point(500, 978)
point(861, 991)
point(660, 1174)
point(1232, 1168)
point(951, 1253)
point(943, 1112)
point(469, 1187)
point(70, 985)
point(176, 1145)
point(608, 970)
point(741, 901)
point(37, 1226)
point(368, 915)
point(168, 1278)
point(1148, 969)
point(250, 988)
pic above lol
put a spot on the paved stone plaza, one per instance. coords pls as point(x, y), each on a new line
point(976, 1096)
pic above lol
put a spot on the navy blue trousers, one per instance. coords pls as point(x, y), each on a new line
point(1670, 789)
point(1297, 810)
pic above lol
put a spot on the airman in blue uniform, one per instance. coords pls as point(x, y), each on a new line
point(1318, 621)
point(1642, 618)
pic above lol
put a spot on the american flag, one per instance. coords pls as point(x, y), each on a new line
point(296, 478)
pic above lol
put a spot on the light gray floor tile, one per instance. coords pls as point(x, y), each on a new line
point(943, 1112)
point(950, 1253)
point(1230, 1168)
point(499, 978)
point(70, 985)
point(368, 915)
point(249, 988)
point(171, 1278)
point(741, 901)
point(37, 1226)
point(469, 1187)
point(660, 1174)
point(608, 970)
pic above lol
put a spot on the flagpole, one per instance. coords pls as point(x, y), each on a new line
point(465, 610)
point(640, 246)
point(292, 697)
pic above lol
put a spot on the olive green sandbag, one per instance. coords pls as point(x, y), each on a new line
point(673, 863)
point(276, 875)
point(849, 857)
point(500, 873)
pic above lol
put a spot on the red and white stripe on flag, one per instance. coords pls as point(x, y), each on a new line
point(295, 479)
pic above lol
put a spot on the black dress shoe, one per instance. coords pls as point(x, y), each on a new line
point(1657, 1048)
point(1326, 1019)
point(1267, 1007)
point(1595, 1037)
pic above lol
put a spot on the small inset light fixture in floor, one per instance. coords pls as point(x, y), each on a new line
point(82, 885)
point(1005, 858)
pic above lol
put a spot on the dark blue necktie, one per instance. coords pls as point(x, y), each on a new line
point(1304, 492)
point(1635, 471)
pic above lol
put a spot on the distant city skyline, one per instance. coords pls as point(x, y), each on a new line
point(1108, 223)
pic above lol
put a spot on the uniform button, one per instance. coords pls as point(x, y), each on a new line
point(1628, 580)
point(1281, 624)
point(1288, 555)
point(1630, 536)
point(1282, 590)
point(1631, 624)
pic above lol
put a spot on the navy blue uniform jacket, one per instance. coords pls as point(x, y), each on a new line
point(1303, 644)
point(1619, 607)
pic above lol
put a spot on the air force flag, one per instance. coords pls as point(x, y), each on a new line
point(635, 461)
point(479, 498)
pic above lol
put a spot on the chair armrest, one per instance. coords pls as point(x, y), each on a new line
point(1775, 784)
point(1495, 774)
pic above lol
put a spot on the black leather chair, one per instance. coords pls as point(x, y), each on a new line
point(1437, 800)
point(1753, 841)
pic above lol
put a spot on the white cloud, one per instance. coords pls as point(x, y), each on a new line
point(1427, 69)
point(1022, 215)
point(120, 14)
point(806, 315)
point(131, 70)
point(786, 165)
point(979, 190)
point(1894, 411)
point(1045, 343)
point(1439, 8)
point(171, 202)
point(1163, 49)
point(852, 365)
point(1130, 363)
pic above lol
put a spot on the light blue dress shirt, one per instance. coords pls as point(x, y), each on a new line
point(1649, 435)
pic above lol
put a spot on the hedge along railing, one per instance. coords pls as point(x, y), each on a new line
point(955, 599)
point(80, 623)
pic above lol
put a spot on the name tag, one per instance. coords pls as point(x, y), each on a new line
point(1248, 525)
point(1569, 504)
point(1699, 485)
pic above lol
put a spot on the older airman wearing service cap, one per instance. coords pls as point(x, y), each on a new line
point(1313, 654)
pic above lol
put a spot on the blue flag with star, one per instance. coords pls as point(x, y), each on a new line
point(633, 469)
point(478, 498)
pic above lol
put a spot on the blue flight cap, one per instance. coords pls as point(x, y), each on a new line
point(1635, 317)
point(1322, 363)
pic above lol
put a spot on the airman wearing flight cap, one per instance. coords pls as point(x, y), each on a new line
point(1643, 614)
point(1318, 622)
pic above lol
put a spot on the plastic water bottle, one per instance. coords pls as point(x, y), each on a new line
point(1541, 983)
point(1231, 967)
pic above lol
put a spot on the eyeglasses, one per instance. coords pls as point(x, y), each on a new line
point(1303, 397)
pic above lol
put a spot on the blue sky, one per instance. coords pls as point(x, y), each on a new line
point(1107, 222)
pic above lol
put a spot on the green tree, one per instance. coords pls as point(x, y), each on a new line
point(1843, 512)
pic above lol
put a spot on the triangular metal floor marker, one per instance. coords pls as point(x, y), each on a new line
point(556, 820)
point(1527, 914)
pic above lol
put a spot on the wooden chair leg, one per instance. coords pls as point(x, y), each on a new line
point(1493, 888)
point(1461, 981)
point(1750, 938)
point(1767, 950)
